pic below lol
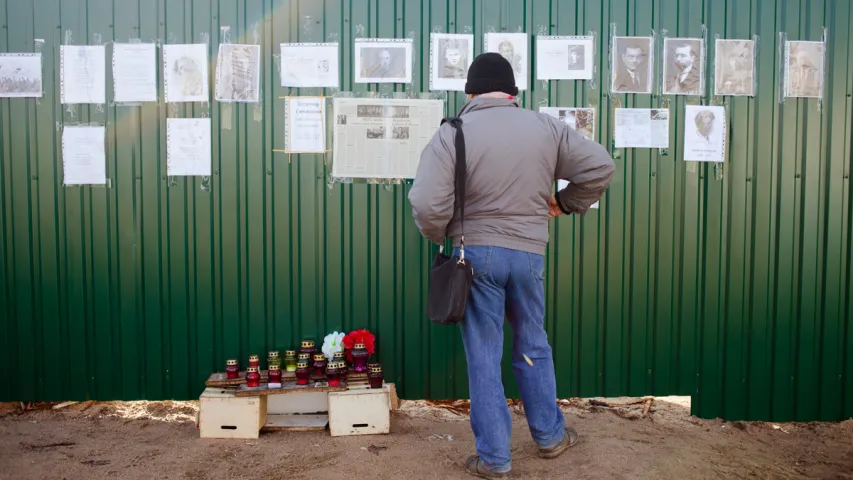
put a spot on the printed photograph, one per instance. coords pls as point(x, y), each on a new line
point(238, 73)
point(577, 54)
point(383, 61)
point(513, 47)
point(683, 67)
point(20, 75)
point(704, 133)
point(804, 69)
point(377, 133)
point(450, 56)
point(582, 120)
point(186, 73)
point(342, 119)
point(659, 114)
point(400, 133)
point(735, 67)
point(632, 60)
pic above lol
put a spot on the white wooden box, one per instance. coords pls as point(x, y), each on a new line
point(223, 415)
point(360, 412)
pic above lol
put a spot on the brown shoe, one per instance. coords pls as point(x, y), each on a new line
point(569, 440)
point(475, 466)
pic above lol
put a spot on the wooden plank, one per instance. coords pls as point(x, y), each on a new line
point(219, 379)
point(295, 423)
point(263, 389)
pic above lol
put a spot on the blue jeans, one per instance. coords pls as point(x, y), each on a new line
point(508, 283)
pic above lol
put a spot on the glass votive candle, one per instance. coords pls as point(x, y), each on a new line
point(274, 375)
point(273, 358)
point(254, 361)
point(308, 347)
point(374, 377)
point(341, 358)
point(305, 357)
point(232, 370)
point(333, 373)
point(302, 373)
point(319, 364)
point(253, 378)
point(359, 358)
point(290, 360)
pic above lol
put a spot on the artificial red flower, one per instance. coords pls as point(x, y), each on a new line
point(359, 336)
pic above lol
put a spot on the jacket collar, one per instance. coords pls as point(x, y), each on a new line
point(482, 103)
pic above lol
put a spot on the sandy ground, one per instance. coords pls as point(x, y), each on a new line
point(138, 440)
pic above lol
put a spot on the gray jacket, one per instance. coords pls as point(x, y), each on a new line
point(514, 157)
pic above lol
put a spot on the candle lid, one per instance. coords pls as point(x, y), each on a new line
point(231, 362)
point(290, 353)
point(252, 369)
point(253, 358)
point(376, 369)
point(359, 345)
point(307, 343)
point(273, 353)
point(275, 367)
point(302, 365)
point(319, 356)
point(304, 355)
point(339, 354)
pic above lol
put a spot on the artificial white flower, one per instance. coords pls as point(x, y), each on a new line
point(334, 342)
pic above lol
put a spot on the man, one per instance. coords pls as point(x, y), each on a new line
point(632, 78)
point(454, 67)
point(704, 125)
point(686, 80)
point(383, 68)
point(507, 50)
point(804, 74)
point(576, 58)
point(514, 156)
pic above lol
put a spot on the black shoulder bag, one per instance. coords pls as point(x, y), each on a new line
point(450, 277)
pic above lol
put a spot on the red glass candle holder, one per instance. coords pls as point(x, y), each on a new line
point(254, 361)
point(319, 364)
point(302, 373)
point(359, 358)
point(333, 373)
point(253, 378)
point(274, 376)
point(341, 358)
point(232, 370)
point(375, 377)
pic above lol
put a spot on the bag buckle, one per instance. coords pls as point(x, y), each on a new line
point(461, 250)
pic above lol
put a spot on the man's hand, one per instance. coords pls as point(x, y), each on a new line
point(553, 208)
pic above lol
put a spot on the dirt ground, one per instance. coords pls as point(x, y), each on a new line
point(138, 440)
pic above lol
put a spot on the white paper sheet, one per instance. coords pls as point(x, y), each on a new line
point(383, 60)
point(704, 133)
point(450, 56)
point(188, 147)
point(82, 74)
point(513, 47)
point(20, 75)
point(642, 128)
point(305, 125)
point(561, 184)
point(564, 58)
point(238, 73)
point(307, 65)
point(135, 72)
point(185, 73)
point(382, 137)
point(84, 160)
point(582, 120)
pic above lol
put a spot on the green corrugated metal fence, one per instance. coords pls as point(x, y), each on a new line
point(730, 285)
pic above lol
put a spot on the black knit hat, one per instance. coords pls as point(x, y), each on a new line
point(490, 72)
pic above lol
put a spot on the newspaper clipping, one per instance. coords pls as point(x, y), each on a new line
point(382, 138)
point(642, 128)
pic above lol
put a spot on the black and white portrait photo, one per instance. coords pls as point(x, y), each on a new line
point(513, 47)
point(383, 61)
point(683, 67)
point(804, 69)
point(20, 75)
point(564, 58)
point(633, 58)
point(450, 56)
point(735, 67)
point(238, 73)
point(704, 133)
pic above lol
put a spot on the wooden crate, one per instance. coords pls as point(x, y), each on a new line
point(360, 412)
point(222, 414)
point(298, 402)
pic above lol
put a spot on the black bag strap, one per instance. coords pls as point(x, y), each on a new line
point(461, 177)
